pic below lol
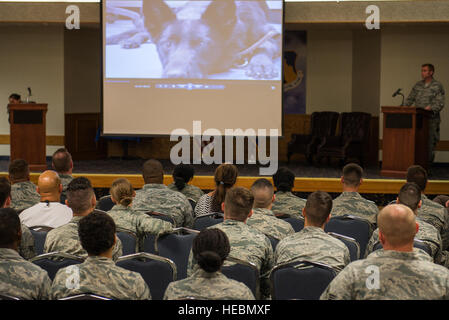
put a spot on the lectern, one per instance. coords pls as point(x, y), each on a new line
point(27, 133)
point(405, 139)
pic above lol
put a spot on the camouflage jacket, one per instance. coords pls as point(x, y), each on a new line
point(426, 233)
point(158, 198)
point(190, 191)
point(208, 286)
point(99, 276)
point(65, 180)
point(289, 204)
point(266, 222)
point(314, 245)
point(435, 214)
point(26, 246)
point(388, 274)
point(352, 203)
point(24, 195)
point(65, 239)
point(22, 279)
point(431, 95)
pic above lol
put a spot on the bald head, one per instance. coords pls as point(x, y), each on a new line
point(49, 186)
point(153, 172)
point(263, 192)
point(397, 227)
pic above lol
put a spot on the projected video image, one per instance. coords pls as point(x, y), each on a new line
point(219, 39)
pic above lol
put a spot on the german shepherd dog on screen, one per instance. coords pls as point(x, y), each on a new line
point(228, 34)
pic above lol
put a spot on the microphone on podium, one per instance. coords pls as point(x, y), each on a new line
point(29, 95)
point(398, 92)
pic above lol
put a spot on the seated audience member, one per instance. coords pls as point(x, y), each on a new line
point(396, 272)
point(62, 163)
point(26, 245)
point(98, 274)
point(23, 191)
point(312, 243)
point(225, 177)
point(127, 219)
point(155, 196)
point(410, 196)
point(14, 98)
point(247, 243)
point(182, 175)
point(18, 277)
point(443, 200)
point(49, 212)
point(263, 219)
point(81, 199)
point(210, 249)
point(430, 212)
point(286, 203)
point(350, 202)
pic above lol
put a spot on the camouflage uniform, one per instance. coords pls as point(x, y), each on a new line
point(426, 233)
point(314, 245)
point(190, 191)
point(24, 195)
point(208, 286)
point(435, 214)
point(352, 203)
point(26, 246)
point(65, 180)
point(127, 219)
point(289, 204)
point(431, 94)
point(402, 275)
point(22, 279)
point(247, 244)
point(158, 198)
point(266, 222)
point(99, 276)
point(65, 239)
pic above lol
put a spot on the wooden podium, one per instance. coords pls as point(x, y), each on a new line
point(405, 139)
point(27, 133)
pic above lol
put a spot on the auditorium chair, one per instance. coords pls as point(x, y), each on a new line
point(296, 223)
point(274, 242)
point(157, 271)
point(129, 242)
point(192, 203)
point(176, 246)
point(243, 271)
point(85, 296)
point(352, 140)
point(322, 124)
point(351, 226)
point(207, 220)
point(300, 280)
point(105, 203)
point(39, 234)
point(416, 243)
point(162, 216)
point(351, 243)
point(53, 261)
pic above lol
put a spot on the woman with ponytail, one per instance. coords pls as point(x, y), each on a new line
point(127, 219)
point(182, 175)
point(225, 177)
point(210, 248)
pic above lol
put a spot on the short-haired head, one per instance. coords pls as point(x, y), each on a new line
point(62, 160)
point(14, 98)
point(18, 170)
point(10, 230)
point(284, 179)
point(318, 207)
point(182, 174)
point(210, 248)
point(238, 204)
point(80, 195)
point(410, 195)
point(352, 174)
point(5, 191)
point(153, 172)
point(225, 177)
point(97, 233)
point(49, 183)
point(397, 225)
point(122, 191)
point(263, 192)
point(418, 175)
point(429, 65)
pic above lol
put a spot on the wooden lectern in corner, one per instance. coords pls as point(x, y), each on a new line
point(28, 133)
point(405, 140)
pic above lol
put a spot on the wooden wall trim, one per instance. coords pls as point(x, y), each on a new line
point(50, 140)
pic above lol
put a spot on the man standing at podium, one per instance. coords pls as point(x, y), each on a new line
point(429, 95)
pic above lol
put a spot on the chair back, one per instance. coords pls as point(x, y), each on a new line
point(324, 123)
point(157, 271)
point(192, 204)
point(274, 242)
point(53, 261)
point(416, 244)
point(351, 244)
point(129, 242)
point(39, 234)
point(243, 271)
point(355, 126)
point(303, 280)
point(296, 223)
point(207, 220)
point(161, 216)
point(105, 203)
